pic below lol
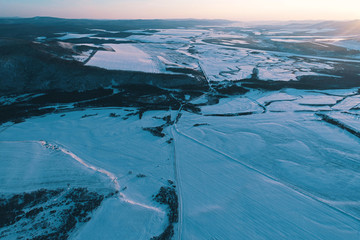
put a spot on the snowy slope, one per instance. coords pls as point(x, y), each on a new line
point(27, 166)
point(119, 151)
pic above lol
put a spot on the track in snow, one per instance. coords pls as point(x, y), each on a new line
point(292, 187)
point(110, 175)
point(178, 185)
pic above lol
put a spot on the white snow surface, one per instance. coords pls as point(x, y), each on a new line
point(352, 120)
point(261, 177)
point(36, 166)
point(233, 63)
point(232, 106)
point(348, 103)
point(228, 60)
point(83, 56)
point(269, 175)
point(87, 152)
point(73, 35)
point(125, 57)
point(349, 44)
point(277, 173)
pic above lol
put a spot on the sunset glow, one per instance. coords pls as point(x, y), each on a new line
point(256, 10)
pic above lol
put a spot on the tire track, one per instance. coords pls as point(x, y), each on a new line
point(178, 186)
point(292, 187)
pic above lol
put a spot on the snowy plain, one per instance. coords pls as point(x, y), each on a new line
point(232, 56)
point(268, 175)
point(124, 57)
point(263, 165)
point(124, 151)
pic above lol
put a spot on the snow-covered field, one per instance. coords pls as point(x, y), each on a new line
point(221, 55)
point(280, 164)
point(349, 44)
point(220, 63)
point(95, 152)
point(37, 166)
point(67, 36)
point(229, 106)
point(124, 57)
point(268, 175)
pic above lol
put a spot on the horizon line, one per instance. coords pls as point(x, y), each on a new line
point(177, 19)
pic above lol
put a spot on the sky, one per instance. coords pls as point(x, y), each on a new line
point(243, 10)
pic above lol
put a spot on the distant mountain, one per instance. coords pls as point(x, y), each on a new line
point(345, 28)
point(43, 26)
point(336, 27)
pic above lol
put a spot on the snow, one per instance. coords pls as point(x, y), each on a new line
point(261, 177)
point(181, 32)
point(221, 34)
point(229, 61)
point(41, 38)
point(321, 30)
point(349, 119)
point(116, 220)
point(88, 45)
point(171, 36)
point(142, 31)
point(73, 35)
point(103, 30)
point(36, 167)
point(83, 56)
point(126, 57)
point(170, 54)
point(280, 32)
point(331, 40)
point(349, 44)
point(96, 157)
point(167, 62)
point(348, 103)
point(294, 106)
point(287, 40)
point(311, 99)
point(258, 166)
point(300, 100)
point(119, 40)
point(234, 42)
point(277, 96)
point(302, 37)
point(232, 106)
point(200, 100)
point(8, 100)
point(232, 63)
